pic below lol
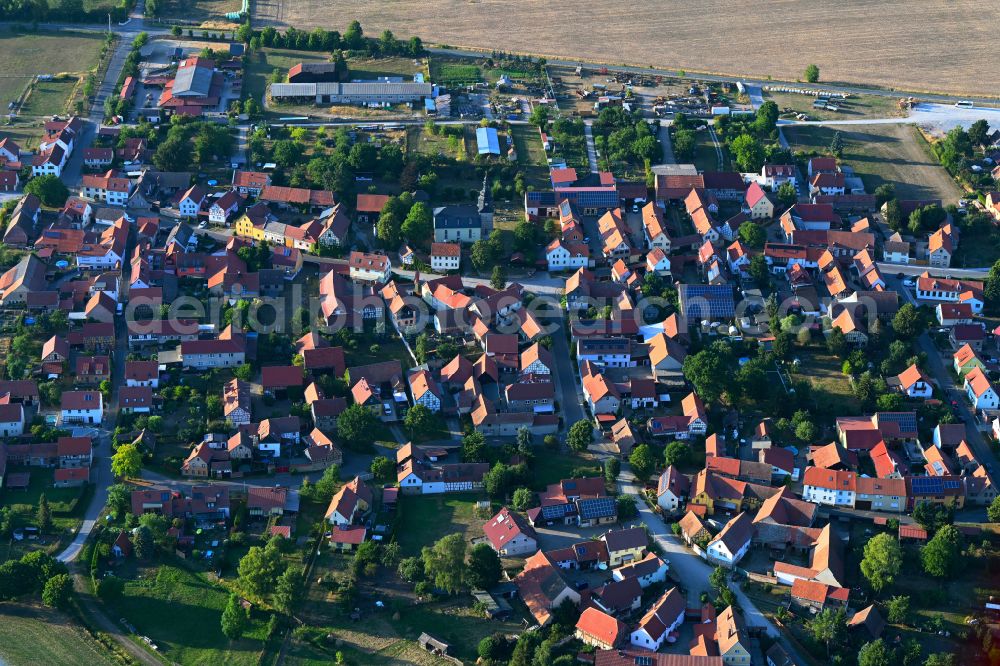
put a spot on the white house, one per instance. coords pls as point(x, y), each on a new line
point(732, 543)
point(657, 261)
point(829, 487)
point(648, 571)
point(445, 257)
point(11, 420)
point(672, 489)
point(914, 383)
point(190, 203)
point(425, 390)
point(369, 267)
point(81, 407)
point(663, 617)
point(980, 390)
point(223, 207)
point(562, 256)
point(510, 534)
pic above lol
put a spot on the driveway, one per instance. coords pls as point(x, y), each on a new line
point(588, 132)
point(665, 144)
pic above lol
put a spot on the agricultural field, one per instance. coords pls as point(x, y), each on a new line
point(679, 34)
point(28, 632)
point(892, 153)
point(30, 55)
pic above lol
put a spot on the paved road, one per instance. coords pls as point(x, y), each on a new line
point(570, 396)
point(755, 93)
point(665, 143)
point(588, 132)
point(943, 116)
point(691, 569)
point(913, 271)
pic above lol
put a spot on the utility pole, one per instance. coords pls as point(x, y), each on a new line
point(109, 23)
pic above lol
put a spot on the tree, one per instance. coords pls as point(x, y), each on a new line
point(828, 626)
point(498, 280)
point(642, 462)
point(836, 343)
point(444, 562)
point(812, 73)
point(993, 511)
point(145, 546)
point(931, 516)
point(382, 468)
point(907, 322)
point(174, 154)
point(708, 371)
point(288, 591)
point(898, 609)
point(356, 424)
point(876, 653)
point(940, 659)
point(57, 591)
point(539, 116)
point(941, 553)
point(758, 270)
point(767, 118)
point(49, 189)
point(580, 435)
point(523, 499)
point(837, 145)
point(43, 516)
point(523, 439)
point(494, 649)
point(627, 509)
point(474, 447)
point(417, 226)
point(806, 431)
point(234, 618)
point(327, 484)
point(991, 290)
point(882, 561)
point(719, 578)
point(420, 422)
point(752, 234)
point(411, 569)
point(612, 468)
point(127, 461)
point(484, 567)
point(676, 453)
point(894, 214)
point(747, 152)
point(787, 195)
point(979, 132)
point(258, 569)
point(884, 193)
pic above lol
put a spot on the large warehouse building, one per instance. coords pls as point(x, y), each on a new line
point(365, 92)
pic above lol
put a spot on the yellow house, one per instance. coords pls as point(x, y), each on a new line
point(732, 639)
point(245, 228)
point(625, 546)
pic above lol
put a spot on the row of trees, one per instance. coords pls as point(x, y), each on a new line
point(353, 39)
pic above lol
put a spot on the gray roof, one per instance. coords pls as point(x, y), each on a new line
point(370, 89)
point(457, 217)
point(192, 82)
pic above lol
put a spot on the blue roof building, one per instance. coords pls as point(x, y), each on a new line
point(487, 141)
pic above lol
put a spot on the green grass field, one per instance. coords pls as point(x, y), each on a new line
point(448, 73)
point(832, 391)
point(553, 467)
point(892, 153)
point(428, 518)
point(49, 97)
point(200, 10)
point(181, 610)
point(35, 635)
point(28, 55)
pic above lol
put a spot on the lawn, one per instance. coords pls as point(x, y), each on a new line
point(552, 467)
point(64, 504)
point(428, 518)
point(531, 157)
point(48, 98)
point(832, 393)
point(705, 156)
point(892, 153)
point(454, 73)
point(27, 55)
point(262, 63)
point(26, 135)
point(979, 247)
point(373, 68)
point(180, 611)
point(28, 632)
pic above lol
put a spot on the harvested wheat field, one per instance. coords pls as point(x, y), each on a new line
point(923, 45)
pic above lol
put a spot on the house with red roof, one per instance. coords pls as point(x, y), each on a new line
point(663, 618)
point(510, 534)
point(599, 629)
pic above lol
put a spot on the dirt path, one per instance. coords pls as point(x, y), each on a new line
point(101, 622)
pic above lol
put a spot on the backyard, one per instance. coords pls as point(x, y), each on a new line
point(428, 518)
point(451, 72)
point(891, 153)
point(832, 392)
point(180, 610)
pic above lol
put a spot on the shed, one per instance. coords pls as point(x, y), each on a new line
point(432, 644)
